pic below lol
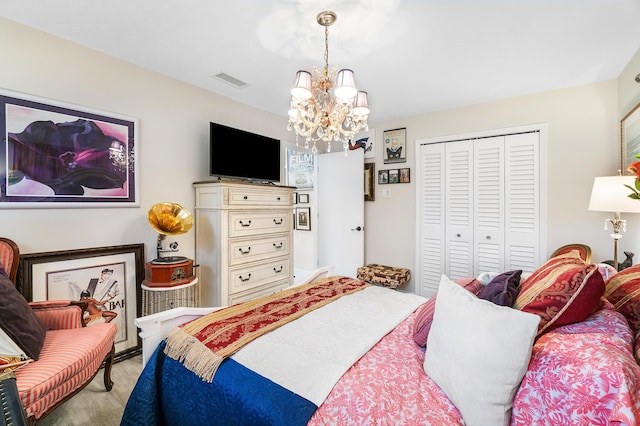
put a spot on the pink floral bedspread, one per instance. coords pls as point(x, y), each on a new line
point(580, 374)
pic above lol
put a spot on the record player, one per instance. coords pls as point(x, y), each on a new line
point(168, 271)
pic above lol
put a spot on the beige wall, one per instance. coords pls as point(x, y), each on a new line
point(582, 142)
point(172, 146)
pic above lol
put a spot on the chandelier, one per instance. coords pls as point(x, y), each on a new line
point(319, 114)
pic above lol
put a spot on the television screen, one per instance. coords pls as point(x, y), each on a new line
point(236, 153)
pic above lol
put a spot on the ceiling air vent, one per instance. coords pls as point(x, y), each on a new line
point(239, 84)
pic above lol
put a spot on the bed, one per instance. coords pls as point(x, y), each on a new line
point(582, 372)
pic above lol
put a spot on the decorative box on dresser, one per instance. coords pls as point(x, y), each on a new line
point(244, 240)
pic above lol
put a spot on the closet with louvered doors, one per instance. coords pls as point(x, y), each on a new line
point(478, 206)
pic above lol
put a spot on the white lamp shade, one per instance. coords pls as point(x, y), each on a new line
point(609, 194)
point(345, 85)
point(302, 88)
point(361, 104)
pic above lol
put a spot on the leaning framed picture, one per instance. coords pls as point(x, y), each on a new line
point(369, 182)
point(303, 219)
point(629, 138)
point(62, 155)
point(107, 278)
point(394, 149)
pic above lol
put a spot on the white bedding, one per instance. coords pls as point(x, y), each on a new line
point(309, 355)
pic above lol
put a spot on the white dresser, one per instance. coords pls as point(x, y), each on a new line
point(244, 239)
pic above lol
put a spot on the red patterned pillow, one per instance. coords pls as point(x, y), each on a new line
point(623, 291)
point(424, 316)
point(563, 291)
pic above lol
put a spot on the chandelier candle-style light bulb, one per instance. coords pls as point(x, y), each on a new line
point(326, 104)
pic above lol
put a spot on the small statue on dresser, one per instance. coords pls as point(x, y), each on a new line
point(624, 264)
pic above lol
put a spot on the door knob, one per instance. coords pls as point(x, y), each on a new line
point(357, 228)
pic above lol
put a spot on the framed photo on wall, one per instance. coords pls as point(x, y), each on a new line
point(383, 177)
point(629, 139)
point(63, 155)
point(107, 278)
point(303, 219)
point(369, 182)
point(394, 149)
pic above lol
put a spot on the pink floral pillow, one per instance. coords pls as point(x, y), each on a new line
point(424, 316)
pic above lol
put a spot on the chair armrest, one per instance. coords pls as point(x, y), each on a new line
point(59, 314)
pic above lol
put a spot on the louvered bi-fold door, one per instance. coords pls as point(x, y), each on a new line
point(522, 202)
point(432, 219)
point(488, 209)
point(459, 209)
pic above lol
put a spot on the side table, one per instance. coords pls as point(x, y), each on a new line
point(157, 299)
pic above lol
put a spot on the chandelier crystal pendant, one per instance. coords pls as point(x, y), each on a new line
point(318, 113)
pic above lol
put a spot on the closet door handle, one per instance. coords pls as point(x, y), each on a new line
point(278, 246)
point(244, 224)
point(244, 251)
point(278, 221)
point(244, 280)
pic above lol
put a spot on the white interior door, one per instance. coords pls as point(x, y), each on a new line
point(340, 211)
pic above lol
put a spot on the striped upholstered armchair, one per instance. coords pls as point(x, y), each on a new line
point(70, 354)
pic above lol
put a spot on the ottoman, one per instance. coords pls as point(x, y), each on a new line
point(387, 276)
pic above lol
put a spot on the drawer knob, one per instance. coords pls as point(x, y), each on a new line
point(244, 280)
point(277, 271)
point(278, 246)
point(244, 251)
point(244, 224)
point(278, 221)
point(245, 197)
point(278, 198)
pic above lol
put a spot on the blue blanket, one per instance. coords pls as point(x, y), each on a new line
point(168, 394)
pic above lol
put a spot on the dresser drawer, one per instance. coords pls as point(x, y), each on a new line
point(262, 291)
point(256, 196)
point(252, 249)
point(243, 278)
point(246, 223)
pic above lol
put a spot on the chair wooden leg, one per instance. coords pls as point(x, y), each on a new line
point(108, 364)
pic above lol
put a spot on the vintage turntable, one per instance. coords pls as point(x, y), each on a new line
point(168, 271)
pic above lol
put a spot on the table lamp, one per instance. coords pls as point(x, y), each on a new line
point(609, 194)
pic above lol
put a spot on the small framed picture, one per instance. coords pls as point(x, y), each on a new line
point(303, 219)
point(303, 198)
point(383, 177)
point(295, 198)
point(405, 175)
point(394, 176)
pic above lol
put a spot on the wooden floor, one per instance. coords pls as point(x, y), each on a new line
point(95, 406)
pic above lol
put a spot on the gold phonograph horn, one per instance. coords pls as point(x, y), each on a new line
point(169, 219)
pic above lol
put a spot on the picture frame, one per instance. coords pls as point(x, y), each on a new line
point(369, 182)
point(303, 199)
point(383, 177)
point(63, 155)
point(394, 146)
point(66, 275)
point(404, 175)
point(300, 168)
point(303, 219)
point(629, 138)
point(365, 140)
point(394, 176)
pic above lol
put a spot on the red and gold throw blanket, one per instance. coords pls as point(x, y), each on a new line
point(202, 344)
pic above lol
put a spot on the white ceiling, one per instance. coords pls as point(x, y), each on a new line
point(412, 56)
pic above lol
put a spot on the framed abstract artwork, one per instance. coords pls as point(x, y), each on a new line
point(629, 139)
point(61, 155)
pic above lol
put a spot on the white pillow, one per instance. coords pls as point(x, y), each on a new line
point(478, 353)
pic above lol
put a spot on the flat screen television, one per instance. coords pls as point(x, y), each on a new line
point(243, 155)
